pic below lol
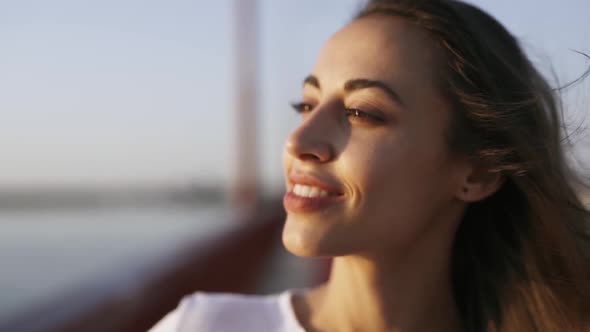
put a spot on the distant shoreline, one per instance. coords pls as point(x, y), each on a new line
point(75, 198)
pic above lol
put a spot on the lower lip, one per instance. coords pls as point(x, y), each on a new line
point(294, 203)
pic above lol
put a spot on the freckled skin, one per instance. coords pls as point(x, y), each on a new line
point(399, 176)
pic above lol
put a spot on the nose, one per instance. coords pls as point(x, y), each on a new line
point(313, 139)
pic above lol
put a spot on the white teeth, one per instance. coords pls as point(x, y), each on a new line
point(314, 192)
point(305, 191)
point(308, 191)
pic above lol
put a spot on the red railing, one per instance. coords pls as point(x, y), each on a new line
point(231, 262)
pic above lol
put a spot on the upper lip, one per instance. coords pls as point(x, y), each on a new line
point(324, 183)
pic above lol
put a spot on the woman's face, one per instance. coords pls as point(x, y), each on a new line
point(368, 168)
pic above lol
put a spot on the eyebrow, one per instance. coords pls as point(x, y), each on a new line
point(359, 84)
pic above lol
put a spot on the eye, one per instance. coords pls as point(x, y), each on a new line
point(302, 107)
point(360, 115)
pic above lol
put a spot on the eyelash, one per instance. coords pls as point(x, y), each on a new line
point(302, 107)
point(356, 113)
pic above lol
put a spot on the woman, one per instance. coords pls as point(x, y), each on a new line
point(429, 163)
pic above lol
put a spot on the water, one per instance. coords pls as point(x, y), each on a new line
point(45, 254)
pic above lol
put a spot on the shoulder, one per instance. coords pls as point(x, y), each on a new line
point(231, 312)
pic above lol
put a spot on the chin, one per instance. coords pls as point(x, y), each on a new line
point(305, 239)
point(299, 244)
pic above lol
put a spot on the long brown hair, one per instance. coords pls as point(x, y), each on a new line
point(520, 259)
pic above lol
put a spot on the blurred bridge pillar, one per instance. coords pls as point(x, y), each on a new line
point(245, 187)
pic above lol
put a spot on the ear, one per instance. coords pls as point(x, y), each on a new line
point(479, 182)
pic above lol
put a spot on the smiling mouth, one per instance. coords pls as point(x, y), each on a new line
point(304, 198)
point(302, 190)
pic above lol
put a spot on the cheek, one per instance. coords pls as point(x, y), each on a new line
point(399, 184)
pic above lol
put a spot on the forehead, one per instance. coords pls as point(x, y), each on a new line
point(385, 48)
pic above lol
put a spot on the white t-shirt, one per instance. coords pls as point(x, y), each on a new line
point(219, 312)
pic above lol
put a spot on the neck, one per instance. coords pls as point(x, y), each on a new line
point(409, 292)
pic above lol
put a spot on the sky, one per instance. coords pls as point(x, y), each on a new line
point(103, 93)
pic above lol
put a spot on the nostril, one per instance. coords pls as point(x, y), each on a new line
point(306, 146)
point(309, 157)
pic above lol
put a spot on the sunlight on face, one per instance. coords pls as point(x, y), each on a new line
point(368, 168)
